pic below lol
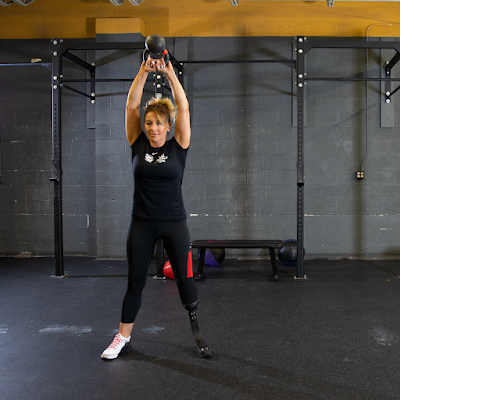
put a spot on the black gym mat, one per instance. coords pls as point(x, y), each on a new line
point(334, 335)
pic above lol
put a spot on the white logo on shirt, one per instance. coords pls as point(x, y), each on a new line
point(150, 158)
point(162, 159)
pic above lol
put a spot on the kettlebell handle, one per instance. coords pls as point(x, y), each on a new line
point(164, 54)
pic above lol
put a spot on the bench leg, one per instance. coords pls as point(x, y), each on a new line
point(201, 261)
point(276, 277)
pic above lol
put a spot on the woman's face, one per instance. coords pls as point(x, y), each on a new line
point(155, 129)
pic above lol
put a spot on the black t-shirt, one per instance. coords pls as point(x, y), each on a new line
point(157, 180)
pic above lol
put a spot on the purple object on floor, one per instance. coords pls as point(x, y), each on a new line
point(213, 257)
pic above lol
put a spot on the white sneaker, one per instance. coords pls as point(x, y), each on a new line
point(117, 346)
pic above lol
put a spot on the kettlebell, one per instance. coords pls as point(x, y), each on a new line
point(155, 48)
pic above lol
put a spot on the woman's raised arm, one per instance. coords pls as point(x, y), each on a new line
point(133, 126)
point(182, 122)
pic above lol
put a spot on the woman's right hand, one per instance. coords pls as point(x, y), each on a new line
point(149, 65)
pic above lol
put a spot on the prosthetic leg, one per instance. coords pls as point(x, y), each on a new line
point(201, 347)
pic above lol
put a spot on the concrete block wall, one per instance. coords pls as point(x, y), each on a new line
point(78, 165)
point(354, 217)
point(113, 171)
point(240, 178)
point(26, 211)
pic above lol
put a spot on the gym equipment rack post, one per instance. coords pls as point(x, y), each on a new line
point(56, 157)
point(301, 73)
point(62, 49)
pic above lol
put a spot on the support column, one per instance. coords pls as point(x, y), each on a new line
point(300, 155)
point(56, 157)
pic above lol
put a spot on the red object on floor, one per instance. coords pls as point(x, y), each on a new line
point(167, 270)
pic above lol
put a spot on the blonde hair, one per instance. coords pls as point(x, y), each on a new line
point(163, 108)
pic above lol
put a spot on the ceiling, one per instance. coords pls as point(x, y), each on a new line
point(330, 3)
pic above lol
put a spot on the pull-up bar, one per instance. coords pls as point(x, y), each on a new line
point(33, 64)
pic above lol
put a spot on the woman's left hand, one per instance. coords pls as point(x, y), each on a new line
point(165, 68)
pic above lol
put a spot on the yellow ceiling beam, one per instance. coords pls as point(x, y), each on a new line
point(201, 18)
point(119, 25)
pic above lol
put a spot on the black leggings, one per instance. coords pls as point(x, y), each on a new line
point(142, 236)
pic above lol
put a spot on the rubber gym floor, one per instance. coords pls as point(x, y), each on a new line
point(334, 335)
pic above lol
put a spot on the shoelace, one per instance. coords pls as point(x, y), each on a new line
point(116, 342)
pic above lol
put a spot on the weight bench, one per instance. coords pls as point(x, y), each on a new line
point(203, 245)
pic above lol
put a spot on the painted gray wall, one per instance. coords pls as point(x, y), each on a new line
point(240, 178)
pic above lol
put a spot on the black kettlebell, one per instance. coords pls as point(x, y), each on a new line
point(155, 48)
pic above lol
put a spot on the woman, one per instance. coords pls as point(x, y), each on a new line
point(158, 209)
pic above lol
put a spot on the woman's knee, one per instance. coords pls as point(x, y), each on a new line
point(136, 286)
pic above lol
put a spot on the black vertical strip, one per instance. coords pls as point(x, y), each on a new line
point(300, 155)
point(56, 156)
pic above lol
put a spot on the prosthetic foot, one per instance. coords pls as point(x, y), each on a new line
point(201, 347)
